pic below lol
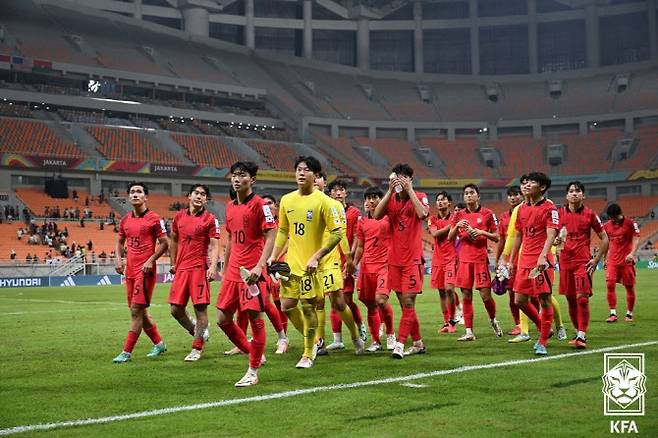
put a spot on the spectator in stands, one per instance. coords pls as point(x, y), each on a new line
point(82, 222)
point(93, 257)
point(66, 232)
point(19, 234)
point(113, 255)
point(101, 197)
point(86, 201)
point(102, 255)
point(90, 245)
point(35, 259)
point(75, 195)
point(28, 258)
point(12, 255)
point(101, 225)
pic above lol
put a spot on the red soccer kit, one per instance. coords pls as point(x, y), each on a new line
point(352, 216)
point(576, 252)
point(533, 221)
point(405, 265)
point(246, 222)
point(141, 233)
point(194, 234)
point(373, 275)
point(473, 267)
point(444, 257)
point(621, 243)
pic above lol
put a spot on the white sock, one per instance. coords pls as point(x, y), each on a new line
point(418, 343)
point(253, 370)
point(613, 312)
point(282, 335)
point(629, 313)
point(581, 335)
point(469, 331)
point(338, 338)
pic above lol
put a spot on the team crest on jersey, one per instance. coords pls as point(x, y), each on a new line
point(245, 221)
point(309, 215)
point(479, 220)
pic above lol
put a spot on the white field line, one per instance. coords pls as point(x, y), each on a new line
point(317, 389)
point(36, 312)
point(105, 303)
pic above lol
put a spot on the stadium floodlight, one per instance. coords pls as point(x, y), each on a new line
point(622, 82)
point(555, 88)
point(492, 91)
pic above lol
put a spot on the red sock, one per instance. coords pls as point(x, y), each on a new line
point(467, 304)
point(630, 297)
point(611, 295)
point(451, 308)
point(573, 310)
point(386, 315)
point(131, 340)
point(197, 344)
point(242, 321)
point(529, 309)
point(257, 343)
point(374, 321)
point(282, 316)
point(235, 335)
point(535, 302)
point(406, 325)
point(546, 323)
point(490, 305)
point(583, 313)
point(415, 327)
point(336, 322)
point(514, 309)
point(356, 313)
point(446, 315)
point(273, 315)
point(153, 334)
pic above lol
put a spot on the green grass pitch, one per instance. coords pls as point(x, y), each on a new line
point(56, 365)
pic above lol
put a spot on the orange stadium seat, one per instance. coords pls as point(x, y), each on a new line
point(125, 144)
point(36, 200)
point(279, 156)
point(519, 154)
point(646, 151)
point(460, 157)
point(647, 230)
point(354, 160)
point(397, 150)
point(637, 206)
point(206, 151)
point(30, 137)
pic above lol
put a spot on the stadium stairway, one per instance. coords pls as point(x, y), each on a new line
point(86, 142)
point(162, 140)
point(244, 150)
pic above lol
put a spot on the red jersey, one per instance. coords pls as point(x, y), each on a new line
point(375, 235)
point(621, 240)
point(352, 216)
point(194, 234)
point(444, 249)
point(503, 225)
point(475, 251)
point(406, 247)
point(140, 233)
point(579, 224)
point(532, 221)
point(246, 222)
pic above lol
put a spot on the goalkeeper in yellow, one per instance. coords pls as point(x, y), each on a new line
point(304, 215)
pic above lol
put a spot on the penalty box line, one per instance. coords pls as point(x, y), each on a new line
point(297, 392)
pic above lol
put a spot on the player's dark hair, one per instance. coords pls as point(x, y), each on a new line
point(444, 194)
point(540, 178)
point(523, 178)
point(247, 166)
point(613, 210)
point(403, 169)
point(270, 197)
point(580, 186)
point(196, 186)
point(513, 190)
point(373, 192)
point(471, 186)
point(321, 174)
point(312, 163)
point(132, 184)
point(461, 206)
point(337, 183)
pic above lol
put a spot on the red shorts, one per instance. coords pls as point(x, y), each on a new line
point(348, 284)
point(622, 274)
point(192, 283)
point(140, 289)
point(542, 284)
point(406, 279)
point(575, 281)
point(273, 287)
point(443, 275)
point(372, 284)
point(472, 274)
point(234, 296)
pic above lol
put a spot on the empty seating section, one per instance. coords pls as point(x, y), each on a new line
point(647, 230)
point(126, 144)
point(10, 109)
point(79, 116)
point(161, 203)
point(349, 156)
point(395, 151)
point(402, 101)
point(588, 153)
point(279, 156)
point(460, 157)
point(206, 151)
point(520, 154)
point(637, 206)
point(36, 200)
point(34, 138)
point(646, 152)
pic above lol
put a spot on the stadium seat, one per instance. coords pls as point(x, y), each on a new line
point(206, 150)
point(36, 200)
point(33, 137)
point(129, 145)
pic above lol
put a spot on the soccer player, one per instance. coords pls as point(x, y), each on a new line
point(406, 210)
point(624, 236)
point(576, 263)
point(371, 249)
point(194, 235)
point(304, 215)
point(537, 223)
point(514, 198)
point(475, 226)
point(330, 273)
point(140, 230)
point(282, 346)
point(444, 260)
point(251, 231)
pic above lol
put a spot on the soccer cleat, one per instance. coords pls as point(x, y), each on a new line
point(515, 331)
point(390, 342)
point(541, 350)
point(321, 348)
point(580, 343)
point(521, 337)
point(281, 346)
point(445, 328)
point(467, 337)
point(628, 317)
point(398, 351)
point(263, 360)
point(359, 346)
point(375, 346)
point(537, 344)
point(452, 329)
point(193, 356)
point(363, 332)
point(611, 318)
point(496, 327)
point(415, 349)
point(561, 333)
point(573, 341)
point(305, 362)
point(157, 350)
point(314, 351)
point(123, 357)
point(233, 351)
point(336, 346)
point(250, 379)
